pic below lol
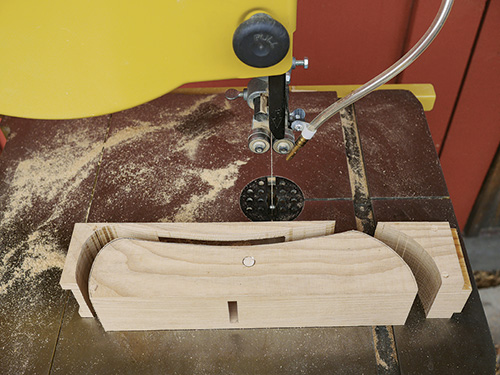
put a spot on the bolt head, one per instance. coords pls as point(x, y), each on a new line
point(284, 149)
point(306, 63)
point(259, 147)
point(298, 125)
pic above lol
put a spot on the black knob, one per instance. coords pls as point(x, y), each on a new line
point(261, 41)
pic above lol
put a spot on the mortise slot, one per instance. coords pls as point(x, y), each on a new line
point(233, 311)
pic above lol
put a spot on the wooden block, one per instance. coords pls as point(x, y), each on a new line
point(420, 261)
point(337, 280)
point(89, 238)
point(433, 252)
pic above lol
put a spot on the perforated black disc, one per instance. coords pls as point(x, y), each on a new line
point(271, 199)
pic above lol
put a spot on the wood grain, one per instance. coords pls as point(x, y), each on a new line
point(324, 279)
point(420, 261)
point(89, 238)
point(336, 280)
point(441, 243)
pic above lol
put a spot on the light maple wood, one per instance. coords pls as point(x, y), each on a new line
point(336, 280)
point(89, 238)
point(434, 254)
point(420, 261)
point(431, 250)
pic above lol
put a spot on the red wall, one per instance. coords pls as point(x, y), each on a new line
point(349, 42)
point(474, 134)
point(445, 62)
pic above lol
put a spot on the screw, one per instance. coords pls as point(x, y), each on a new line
point(304, 63)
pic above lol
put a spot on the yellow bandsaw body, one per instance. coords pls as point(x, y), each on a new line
point(74, 58)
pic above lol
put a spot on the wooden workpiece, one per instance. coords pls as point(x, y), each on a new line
point(149, 276)
point(346, 279)
point(89, 238)
point(434, 254)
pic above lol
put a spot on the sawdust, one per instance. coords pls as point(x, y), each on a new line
point(218, 180)
point(194, 107)
point(50, 174)
point(190, 147)
point(48, 178)
point(31, 186)
point(39, 257)
point(140, 129)
point(203, 120)
point(143, 128)
point(44, 179)
point(43, 190)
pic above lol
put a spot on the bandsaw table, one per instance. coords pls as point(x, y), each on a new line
point(184, 158)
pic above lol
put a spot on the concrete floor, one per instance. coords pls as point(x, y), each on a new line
point(484, 255)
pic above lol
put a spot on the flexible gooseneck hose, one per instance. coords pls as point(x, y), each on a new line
point(379, 80)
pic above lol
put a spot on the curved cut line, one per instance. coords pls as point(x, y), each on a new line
point(90, 249)
point(421, 263)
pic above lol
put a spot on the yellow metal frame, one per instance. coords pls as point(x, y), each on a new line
point(423, 91)
point(70, 59)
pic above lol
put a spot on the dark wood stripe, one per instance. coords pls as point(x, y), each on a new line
point(260, 241)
